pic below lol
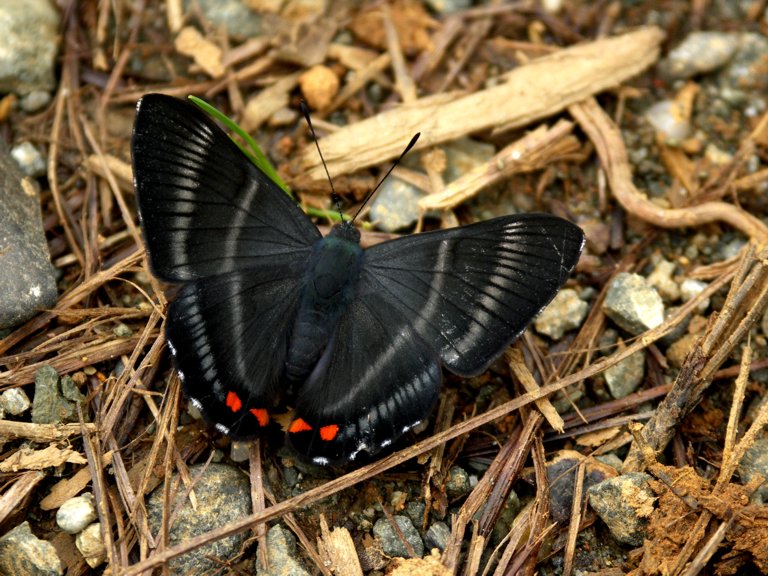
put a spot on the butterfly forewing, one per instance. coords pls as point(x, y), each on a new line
point(206, 209)
point(472, 290)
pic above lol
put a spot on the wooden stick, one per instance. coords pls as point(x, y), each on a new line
point(539, 89)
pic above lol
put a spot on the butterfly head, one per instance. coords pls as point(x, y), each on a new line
point(346, 231)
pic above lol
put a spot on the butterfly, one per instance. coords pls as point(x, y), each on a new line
point(269, 310)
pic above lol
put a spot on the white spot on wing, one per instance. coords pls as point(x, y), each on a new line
point(406, 428)
point(223, 429)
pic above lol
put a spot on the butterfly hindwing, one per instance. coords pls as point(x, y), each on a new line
point(472, 290)
point(229, 337)
point(238, 243)
point(205, 208)
point(378, 379)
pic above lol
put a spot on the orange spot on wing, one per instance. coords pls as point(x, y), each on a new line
point(233, 402)
point(329, 432)
point(299, 425)
point(261, 415)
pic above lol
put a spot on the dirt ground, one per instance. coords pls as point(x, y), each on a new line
point(591, 111)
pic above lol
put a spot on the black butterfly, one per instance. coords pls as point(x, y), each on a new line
point(269, 309)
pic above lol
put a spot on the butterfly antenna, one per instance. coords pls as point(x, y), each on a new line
point(334, 196)
point(411, 144)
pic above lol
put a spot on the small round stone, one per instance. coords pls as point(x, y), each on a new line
point(76, 513)
point(91, 545)
point(319, 85)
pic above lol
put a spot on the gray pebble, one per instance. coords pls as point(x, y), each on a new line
point(448, 6)
point(437, 536)
point(633, 304)
point(122, 330)
point(390, 540)
point(698, 53)
point(668, 118)
point(458, 483)
point(612, 460)
point(624, 378)
point(464, 155)
point(14, 401)
point(49, 405)
point(281, 551)
point(745, 72)
point(678, 331)
point(90, 542)
point(754, 462)
point(35, 101)
point(396, 205)
point(70, 391)
point(690, 288)
point(415, 511)
point(240, 451)
point(30, 33)
point(29, 159)
point(561, 472)
point(239, 20)
point(661, 279)
point(624, 503)
point(566, 312)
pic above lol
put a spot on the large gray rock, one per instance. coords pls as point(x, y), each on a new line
point(223, 496)
point(24, 554)
point(27, 278)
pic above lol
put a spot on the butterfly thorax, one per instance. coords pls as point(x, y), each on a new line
point(328, 287)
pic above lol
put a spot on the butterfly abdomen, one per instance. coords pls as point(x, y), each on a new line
point(328, 288)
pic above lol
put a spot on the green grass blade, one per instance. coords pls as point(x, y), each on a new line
point(252, 149)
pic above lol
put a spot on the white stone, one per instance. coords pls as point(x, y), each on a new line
point(76, 513)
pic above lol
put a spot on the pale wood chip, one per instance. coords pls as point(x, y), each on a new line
point(539, 89)
point(338, 548)
point(205, 53)
point(259, 108)
point(52, 456)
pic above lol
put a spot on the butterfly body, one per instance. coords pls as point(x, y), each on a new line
point(330, 281)
point(270, 310)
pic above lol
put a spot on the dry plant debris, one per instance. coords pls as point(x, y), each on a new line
point(560, 94)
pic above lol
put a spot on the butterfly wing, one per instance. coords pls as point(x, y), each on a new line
point(472, 290)
point(456, 297)
point(205, 208)
point(229, 338)
point(238, 243)
point(377, 379)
